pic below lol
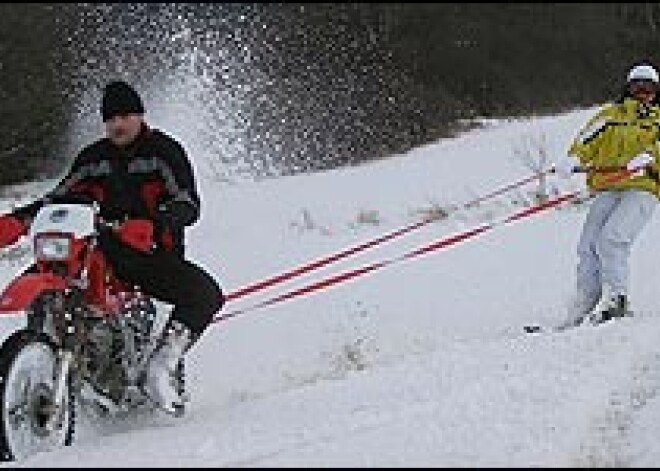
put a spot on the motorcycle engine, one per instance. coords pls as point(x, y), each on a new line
point(117, 346)
point(104, 364)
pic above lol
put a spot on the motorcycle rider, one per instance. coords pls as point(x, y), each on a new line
point(139, 172)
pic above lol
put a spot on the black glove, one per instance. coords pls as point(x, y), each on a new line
point(175, 214)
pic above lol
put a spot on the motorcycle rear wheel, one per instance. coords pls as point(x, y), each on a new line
point(29, 424)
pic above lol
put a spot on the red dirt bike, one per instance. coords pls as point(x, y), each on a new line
point(87, 336)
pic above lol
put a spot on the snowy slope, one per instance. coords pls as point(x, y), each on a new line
point(422, 363)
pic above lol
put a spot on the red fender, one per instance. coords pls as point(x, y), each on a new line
point(24, 290)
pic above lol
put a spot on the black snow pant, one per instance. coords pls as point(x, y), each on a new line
point(168, 277)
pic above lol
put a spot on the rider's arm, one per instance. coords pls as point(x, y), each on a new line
point(28, 212)
point(181, 201)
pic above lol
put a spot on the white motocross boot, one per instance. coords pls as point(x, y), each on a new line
point(160, 382)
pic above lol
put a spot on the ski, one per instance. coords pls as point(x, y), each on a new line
point(534, 328)
point(541, 329)
point(538, 328)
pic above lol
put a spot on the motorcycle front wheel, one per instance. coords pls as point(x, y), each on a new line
point(29, 421)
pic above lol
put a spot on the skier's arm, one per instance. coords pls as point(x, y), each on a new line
point(585, 146)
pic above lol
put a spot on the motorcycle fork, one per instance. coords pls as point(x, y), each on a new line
point(64, 362)
point(66, 353)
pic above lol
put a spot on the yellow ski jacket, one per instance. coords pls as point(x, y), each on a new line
point(613, 137)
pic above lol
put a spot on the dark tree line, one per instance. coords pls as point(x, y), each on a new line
point(340, 83)
point(32, 91)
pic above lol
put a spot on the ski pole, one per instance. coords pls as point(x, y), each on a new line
point(599, 169)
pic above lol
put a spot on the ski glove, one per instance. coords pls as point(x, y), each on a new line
point(639, 162)
point(566, 166)
point(11, 229)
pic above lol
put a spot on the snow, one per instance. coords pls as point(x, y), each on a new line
point(420, 363)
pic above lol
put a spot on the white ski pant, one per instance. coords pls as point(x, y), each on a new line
point(614, 220)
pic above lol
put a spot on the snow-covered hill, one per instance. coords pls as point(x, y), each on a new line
point(421, 363)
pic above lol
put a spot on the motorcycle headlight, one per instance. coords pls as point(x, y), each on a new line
point(52, 248)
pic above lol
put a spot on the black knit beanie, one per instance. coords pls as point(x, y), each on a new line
point(119, 98)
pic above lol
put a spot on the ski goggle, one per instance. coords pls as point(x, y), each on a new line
point(642, 86)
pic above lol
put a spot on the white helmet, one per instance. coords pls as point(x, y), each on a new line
point(643, 72)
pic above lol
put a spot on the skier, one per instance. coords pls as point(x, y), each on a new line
point(138, 172)
point(623, 135)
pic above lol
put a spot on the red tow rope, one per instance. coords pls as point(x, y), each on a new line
point(439, 244)
point(619, 174)
point(277, 279)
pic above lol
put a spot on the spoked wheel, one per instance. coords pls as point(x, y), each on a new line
point(29, 421)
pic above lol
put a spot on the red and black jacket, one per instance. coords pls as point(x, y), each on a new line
point(151, 178)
